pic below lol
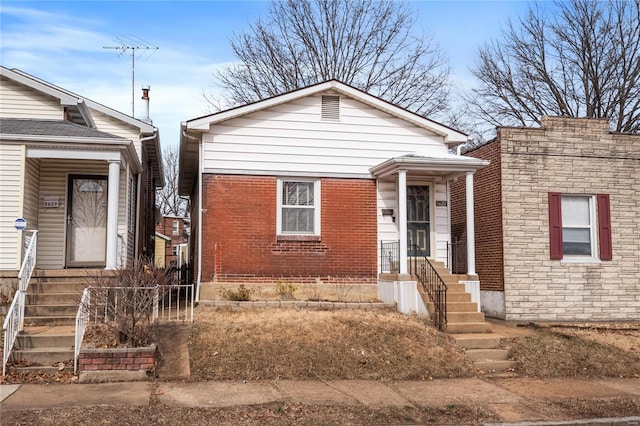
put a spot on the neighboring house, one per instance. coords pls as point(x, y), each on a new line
point(557, 217)
point(304, 186)
point(174, 231)
point(160, 253)
point(81, 174)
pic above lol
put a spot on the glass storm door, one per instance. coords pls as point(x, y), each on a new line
point(418, 232)
point(87, 221)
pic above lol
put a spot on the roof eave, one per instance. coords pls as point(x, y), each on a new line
point(444, 166)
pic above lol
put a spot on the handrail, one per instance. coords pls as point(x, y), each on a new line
point(163, 306)
point(14, 323)
point(389, 256)
point(433, 285)
point(82, 319)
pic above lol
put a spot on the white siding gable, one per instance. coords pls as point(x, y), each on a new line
point(18, 101)
point(292, 138)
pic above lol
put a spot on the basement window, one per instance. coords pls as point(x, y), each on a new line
point(330, 108)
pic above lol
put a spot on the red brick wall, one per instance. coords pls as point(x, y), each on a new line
point(488, 216)
point(240, 241)
point(132, 359)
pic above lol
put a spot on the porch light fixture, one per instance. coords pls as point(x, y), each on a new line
point(388, 212)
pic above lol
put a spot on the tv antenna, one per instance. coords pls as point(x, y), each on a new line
point(131, 43)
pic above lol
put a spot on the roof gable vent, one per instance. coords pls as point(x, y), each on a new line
point(330, 107)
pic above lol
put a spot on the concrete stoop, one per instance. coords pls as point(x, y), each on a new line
point(47, 341)
point(483, 350)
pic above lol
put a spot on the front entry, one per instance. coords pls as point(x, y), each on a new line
point(418, 231)
point(87, 221)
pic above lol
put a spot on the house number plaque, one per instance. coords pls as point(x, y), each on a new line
point(441, 203)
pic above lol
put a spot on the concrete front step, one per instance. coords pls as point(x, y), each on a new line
point(458, 297)
point(44, 356)
point(53, 298)
point(462, 307)
point(478, 341)
point(26, 340)
point(468, 327)
point(48, 369)
point(50, 320)
point(495, 366)
point(50, 310)
point(487, 354)
point(460, 317)
point(38, 287)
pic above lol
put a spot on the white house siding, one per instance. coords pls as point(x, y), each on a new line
point(292, 138)
point(11, 160)
point(18, 101)
point(107, 124)
point(31, 193)
point(440, 230)
point(53, 181)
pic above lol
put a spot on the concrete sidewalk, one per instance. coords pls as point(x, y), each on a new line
point(512, 399)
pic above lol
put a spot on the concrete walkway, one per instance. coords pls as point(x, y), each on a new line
point(515, 400)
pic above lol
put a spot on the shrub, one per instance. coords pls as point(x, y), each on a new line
point(128, 298)
point(243, 294)
point(285, 290)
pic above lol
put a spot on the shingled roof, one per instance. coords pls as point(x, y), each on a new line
point(20, 126)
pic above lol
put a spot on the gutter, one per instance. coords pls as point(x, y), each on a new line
point(199, 275)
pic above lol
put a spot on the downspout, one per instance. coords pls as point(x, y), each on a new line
point(199, 220)
point(199, 275)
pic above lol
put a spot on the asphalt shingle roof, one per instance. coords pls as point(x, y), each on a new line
point(21, 126)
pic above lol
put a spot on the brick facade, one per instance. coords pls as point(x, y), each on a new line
point(240, 242)
point(568, 156)
point(488, 216)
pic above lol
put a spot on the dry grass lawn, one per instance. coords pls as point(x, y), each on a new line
point(326, 345)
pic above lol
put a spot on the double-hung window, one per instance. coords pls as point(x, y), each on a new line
point(176, 228)
point(298, 207)
point(579, 226)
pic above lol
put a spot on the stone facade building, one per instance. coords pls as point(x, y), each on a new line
point(557, 216)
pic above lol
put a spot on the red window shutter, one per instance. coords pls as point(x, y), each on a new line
point(555, 225)
point(604, 227)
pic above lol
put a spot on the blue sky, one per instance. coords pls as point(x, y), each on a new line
point(62, 42)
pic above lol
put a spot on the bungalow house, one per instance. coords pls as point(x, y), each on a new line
point(81, 174)
point(309, 185)
point(557, 214)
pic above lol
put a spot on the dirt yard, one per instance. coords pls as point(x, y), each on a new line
point(350, 344)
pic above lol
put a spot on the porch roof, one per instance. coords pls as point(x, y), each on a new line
point(448, 166)
point(26, 126)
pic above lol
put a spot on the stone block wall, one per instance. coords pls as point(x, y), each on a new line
point(580, 157)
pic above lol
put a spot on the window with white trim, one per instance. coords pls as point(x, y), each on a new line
point(175, 250)
point(298, 207)
point(176, 227)
point(577, 225)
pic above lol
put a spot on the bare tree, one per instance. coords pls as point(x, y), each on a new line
point(582, 62)
point(368, 44)
point(170, 202)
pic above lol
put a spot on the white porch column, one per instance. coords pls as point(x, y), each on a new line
point(471, 229)
point(112, 215)
point(402, 217)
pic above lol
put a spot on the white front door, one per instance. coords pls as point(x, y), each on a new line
point(87, 221)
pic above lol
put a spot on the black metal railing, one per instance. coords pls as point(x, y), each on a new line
point(433, 285)
point(389, 257)
point(457, 256)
